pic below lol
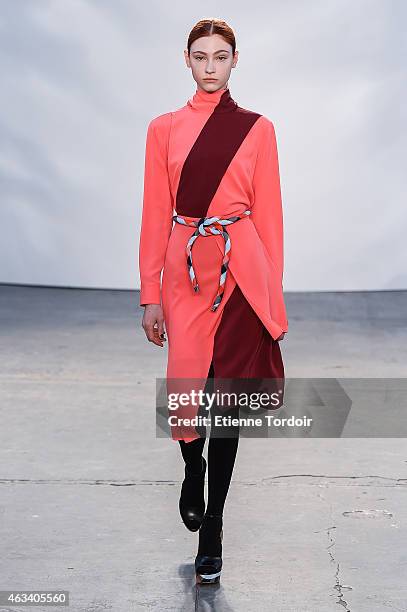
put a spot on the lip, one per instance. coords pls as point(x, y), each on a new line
point(210, 80)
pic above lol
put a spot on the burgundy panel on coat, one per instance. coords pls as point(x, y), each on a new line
point(243, 347)
point(211, 154)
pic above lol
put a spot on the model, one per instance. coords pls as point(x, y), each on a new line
point(212, 222)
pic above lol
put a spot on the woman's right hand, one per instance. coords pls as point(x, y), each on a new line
point(153, 324)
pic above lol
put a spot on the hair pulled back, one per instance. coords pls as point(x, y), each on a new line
point(207, 27)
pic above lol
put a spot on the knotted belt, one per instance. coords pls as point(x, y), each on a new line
point(208, 226)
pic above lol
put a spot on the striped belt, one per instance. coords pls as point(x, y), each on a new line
point(208, 226)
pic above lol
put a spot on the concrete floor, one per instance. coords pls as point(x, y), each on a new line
point(89, 494)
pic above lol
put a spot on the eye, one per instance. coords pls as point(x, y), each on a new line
point(222, 57)
point(198, 57)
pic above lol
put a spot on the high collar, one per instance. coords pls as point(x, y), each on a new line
point(207, 101)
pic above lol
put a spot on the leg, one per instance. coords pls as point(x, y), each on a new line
point(192, 498)
point(222, 449)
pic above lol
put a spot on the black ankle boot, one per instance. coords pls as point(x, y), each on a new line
point(192, 498)
point(208, 562)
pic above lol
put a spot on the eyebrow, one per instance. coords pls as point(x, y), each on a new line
point(219, 51)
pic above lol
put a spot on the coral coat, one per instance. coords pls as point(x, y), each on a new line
point(214, 158)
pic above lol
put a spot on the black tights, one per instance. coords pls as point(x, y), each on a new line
point(221, 457)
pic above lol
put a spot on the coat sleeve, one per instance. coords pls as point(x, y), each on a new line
point(156, 221)
point(267, 211)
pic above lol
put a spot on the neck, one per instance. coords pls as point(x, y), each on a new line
point(207, 101)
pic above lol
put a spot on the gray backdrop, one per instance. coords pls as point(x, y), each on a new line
point(80, 81)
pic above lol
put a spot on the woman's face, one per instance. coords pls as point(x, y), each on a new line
point(211, 58)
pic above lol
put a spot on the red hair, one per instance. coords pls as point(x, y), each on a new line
point(207, 27)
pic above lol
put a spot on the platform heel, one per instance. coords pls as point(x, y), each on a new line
point(208, 562)
point(192, 498)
